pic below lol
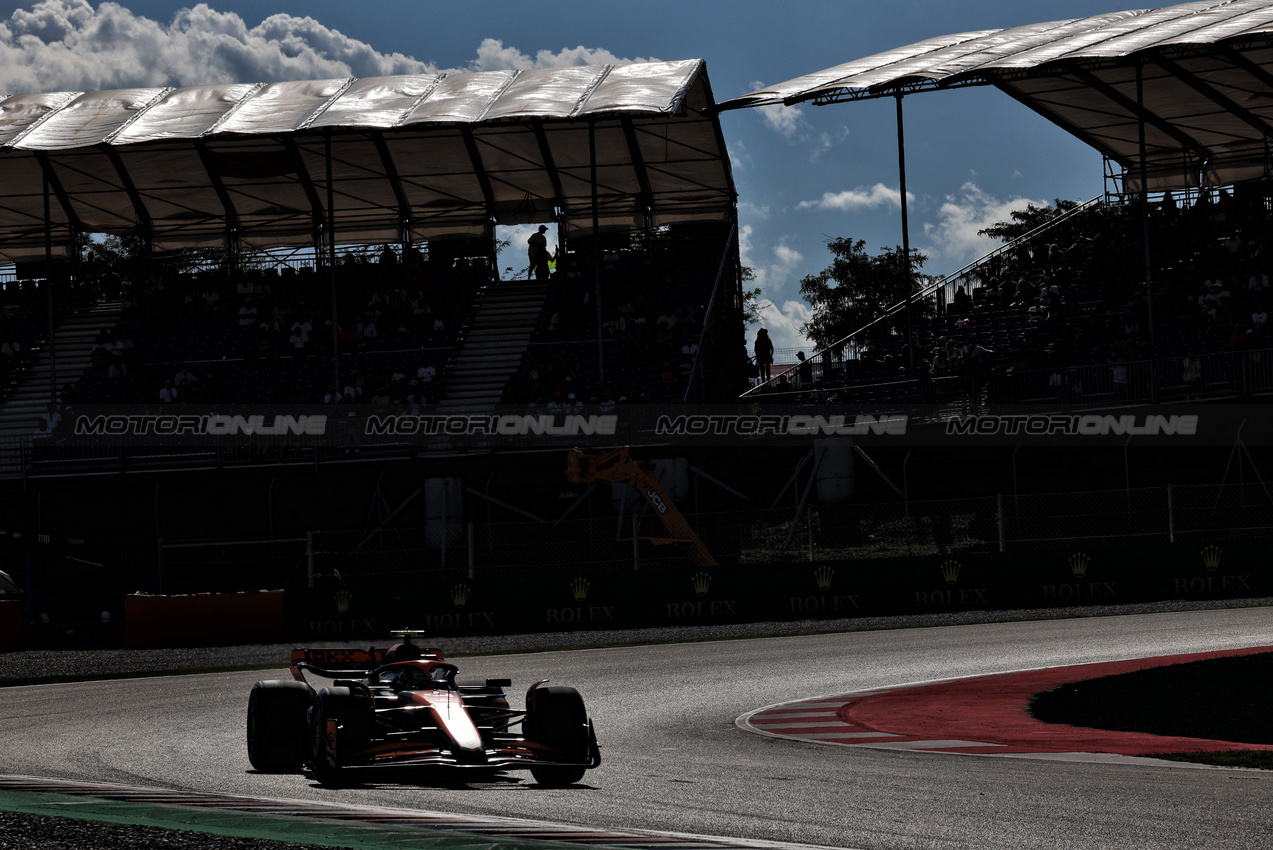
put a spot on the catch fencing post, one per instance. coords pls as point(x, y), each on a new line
point(471, 564)
point(1000, 512)
point(809, 523)
point(1171, 517)
point(446, 520)
point(309, 558)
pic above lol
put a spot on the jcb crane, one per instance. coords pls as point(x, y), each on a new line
point(617, 465)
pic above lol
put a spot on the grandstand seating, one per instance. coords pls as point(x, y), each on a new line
point(1098, 322)
point(484, 338)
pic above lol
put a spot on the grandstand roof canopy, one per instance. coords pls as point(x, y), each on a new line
point(1206, 84)
point(428, 157)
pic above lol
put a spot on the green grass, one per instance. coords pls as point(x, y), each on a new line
point(1224, 699)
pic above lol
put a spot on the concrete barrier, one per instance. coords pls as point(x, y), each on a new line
point(10, 625)
point(203, 619)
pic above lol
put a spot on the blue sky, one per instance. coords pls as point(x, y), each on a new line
point(805, 174)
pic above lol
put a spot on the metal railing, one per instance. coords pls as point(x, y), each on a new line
point(1219, 375)
point(943, 288)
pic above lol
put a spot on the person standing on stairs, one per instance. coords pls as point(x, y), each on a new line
point(537, 253)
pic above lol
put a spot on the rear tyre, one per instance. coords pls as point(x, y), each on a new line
point(276, 726)
point(556, 718)
point(338, 730)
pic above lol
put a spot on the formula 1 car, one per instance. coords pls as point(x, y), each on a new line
point(354, 708)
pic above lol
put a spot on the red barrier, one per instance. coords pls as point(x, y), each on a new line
point(10, 625)
point(203, 619)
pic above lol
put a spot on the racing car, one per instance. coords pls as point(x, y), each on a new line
point(355, 708)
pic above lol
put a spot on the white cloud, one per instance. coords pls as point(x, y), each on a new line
point(954, 236)
point(784, 324)
point(492, 55)
point(878, 195)
point(784, 120)
point(774, 270)
point(788, 257)
point(68, 45)
point(826, 141)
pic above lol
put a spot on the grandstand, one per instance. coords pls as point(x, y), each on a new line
point(622, 159)
point(387, 193)
point(1128, 299)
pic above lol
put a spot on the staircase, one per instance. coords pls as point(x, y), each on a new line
point(73, 344)
point(493, 345)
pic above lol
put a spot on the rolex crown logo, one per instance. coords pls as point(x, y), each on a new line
point(459, 595)
point(824, 574)
point(579, 587)
point(950, 571)
point(342, 598)
point(1078, 564)
point(1211, 557)
point(702, 581)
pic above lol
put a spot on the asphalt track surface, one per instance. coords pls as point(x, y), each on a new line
point(675, 760)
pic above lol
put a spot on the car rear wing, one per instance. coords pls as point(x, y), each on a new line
point(346, 663)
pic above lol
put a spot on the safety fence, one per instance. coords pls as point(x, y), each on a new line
point(630, 539)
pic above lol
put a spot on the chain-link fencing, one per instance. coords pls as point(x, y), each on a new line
point(231, 566)
point(637, 539)
point(1232, 511)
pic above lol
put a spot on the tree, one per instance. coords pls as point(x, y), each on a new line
point(1026, 220)
point(753, 305)
point(858, 288)
point(127, 256)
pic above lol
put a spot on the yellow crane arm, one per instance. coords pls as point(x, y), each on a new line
point(618, 465)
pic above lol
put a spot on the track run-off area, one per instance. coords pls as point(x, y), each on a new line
point(676, 762)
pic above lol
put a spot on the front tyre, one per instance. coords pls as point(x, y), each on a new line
point(556, 718)
point(338, 728)
point(276, 726)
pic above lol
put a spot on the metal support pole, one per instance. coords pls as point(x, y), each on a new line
point(331, 260)
point(309, 559)
point(596, 252)
point(472, 564)
point(999, 508)
point(906, 488)
point(808, 509)
point(446, 522)
point(48, 290)
point(804, 497)
point(1171, 516)
point(1127, 481)
point(636, 543)
point(1144, 204)
point(1016, 492)
point(792, 479)
point(906, 230)
point(159, 540)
